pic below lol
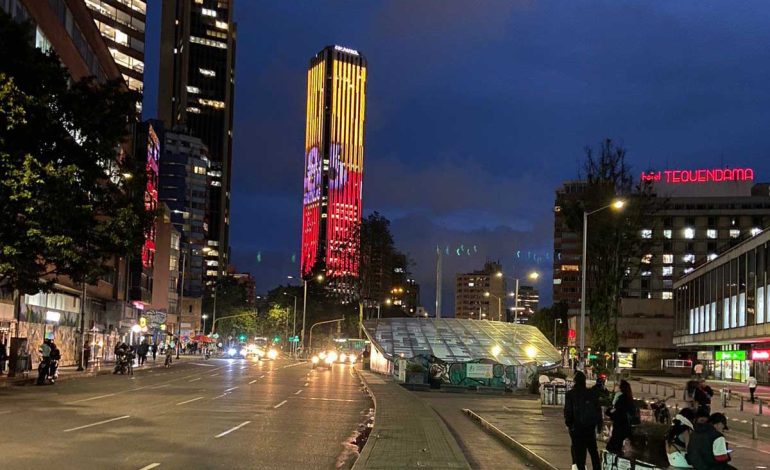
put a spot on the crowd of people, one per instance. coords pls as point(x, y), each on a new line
point(694, 440)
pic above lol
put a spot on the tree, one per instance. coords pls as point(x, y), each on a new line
point(615, 249)
point(232, 298)
point(66, 208)
point(548, 318)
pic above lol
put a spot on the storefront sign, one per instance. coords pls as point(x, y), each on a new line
point(705, 355)
point(479, 371)
point(760, 355)
point(700, 176)
point(731, 355)
point(625, 360)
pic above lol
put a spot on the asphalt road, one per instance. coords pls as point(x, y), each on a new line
point(196, 415)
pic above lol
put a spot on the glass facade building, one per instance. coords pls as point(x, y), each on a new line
point(334, 158)
point(721, 309)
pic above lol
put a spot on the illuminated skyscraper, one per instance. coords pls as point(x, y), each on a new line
point(334, 159)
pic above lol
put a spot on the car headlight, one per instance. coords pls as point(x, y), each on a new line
point(352, 358)
point(231, 352)
point(329, 360)
point(244, 352)
point(272, 354)
point(315, 360)
point(343, 357)
point(322, 354)
point(333, 356)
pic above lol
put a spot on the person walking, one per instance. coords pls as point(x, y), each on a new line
point(623, 414)
point(582, 415)
point(752, 383)
point(707, 449)
point(154, 349)
point(144, 348)
point(702, 395)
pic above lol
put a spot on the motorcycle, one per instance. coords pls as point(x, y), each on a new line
point(660, 411)
point(124, 364)
point(47, 372)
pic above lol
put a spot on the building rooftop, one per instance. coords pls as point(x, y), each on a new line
point(461, 340)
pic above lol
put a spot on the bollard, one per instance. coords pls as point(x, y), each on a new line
point(753, 428)
point(741, 403)
point(724, 399)
point(656, 389)
point(760, 406)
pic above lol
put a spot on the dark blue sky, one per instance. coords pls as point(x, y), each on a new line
point(476, 114)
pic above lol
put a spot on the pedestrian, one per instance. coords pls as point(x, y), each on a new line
point(707, 449)
point(3, 357)
point(752, 383)
point(582, 415)
point(702, 395)
point(698, 370)
point(86, 354)
point(154, 349)
point(624, 414)
point(678, 436)
point(144, 348)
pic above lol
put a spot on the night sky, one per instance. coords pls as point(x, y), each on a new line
point(476, 114)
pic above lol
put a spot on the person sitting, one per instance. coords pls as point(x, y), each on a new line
point(677, 438)
point(707, 449)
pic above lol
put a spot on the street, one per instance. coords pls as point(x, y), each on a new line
point(218, 413)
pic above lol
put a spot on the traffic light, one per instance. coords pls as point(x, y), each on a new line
point(242, 338)
point(571, 334)
point(277, 339)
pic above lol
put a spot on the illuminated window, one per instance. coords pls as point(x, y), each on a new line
point(219, 184)
point(121, 37)
point(668, 258)
point(667, 271)
point(688, 270)
point(570, 267)
point(193, 109)
point(735, 233)
point(208, 42)
point(193, 89)
point(199, 170)
point(471, 284)
point(689, 258)
point(647, 259)
point(689, 233)
point(711, 233)
point(711, 256)
point(646, 273)
point(646, 233)
point(221, 24)
point(667, 295)
point(207, 72)
point(755, 231)
point(208, 12)
point(667, 233)
point(213, 103)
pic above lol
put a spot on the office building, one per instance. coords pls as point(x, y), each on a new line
point(722, 314)
point(334, 158)
point(196, 90)
point(529, 299)
point(480, 295)
point(165, 279)
point(122, 23)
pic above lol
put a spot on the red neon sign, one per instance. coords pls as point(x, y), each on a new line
point(760, 355)
point(700, 176)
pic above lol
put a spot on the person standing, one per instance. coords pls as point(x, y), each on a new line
point(144, 348)
point(582, 415)
point(752, 383)
point(3, 357)
point(702, 396)
point(707, 449)
point(86, 354)
point(699, 370)
point(154, 349)
point(623, 414)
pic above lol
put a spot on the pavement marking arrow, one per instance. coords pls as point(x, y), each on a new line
point(280, 404)
point(190, 401)
point(232, 429)
point(148, 467)
point(97, 424)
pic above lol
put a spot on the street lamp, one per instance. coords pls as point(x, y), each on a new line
point(499, 305)
point(532, 276)
point(320, 278)
point(617, 204)
point(294, 323)
point(204, 317)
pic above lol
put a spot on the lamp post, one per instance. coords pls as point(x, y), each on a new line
point(204, 317)
point(533, 276)
point(617, 205)
point(499, 304)
point(319, 278)
point(555, 321)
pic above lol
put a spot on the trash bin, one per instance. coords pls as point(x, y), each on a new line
point(548, 394)
point(560, 392)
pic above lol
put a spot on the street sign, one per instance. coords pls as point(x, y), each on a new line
point(294, 339)
point(731, 355)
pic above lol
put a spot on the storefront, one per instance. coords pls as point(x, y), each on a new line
point(732, 365)
point(761, 362)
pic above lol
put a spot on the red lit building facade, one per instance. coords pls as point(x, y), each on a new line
point(334, 157)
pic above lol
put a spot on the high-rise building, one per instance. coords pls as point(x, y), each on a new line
point(529, 299)
point(480, 295)
point(334, 159)
point(196, 89)
point(122, 23)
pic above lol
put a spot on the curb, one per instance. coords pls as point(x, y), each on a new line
point(517, 446)
point(368, 446)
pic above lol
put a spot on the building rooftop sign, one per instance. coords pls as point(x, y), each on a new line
point(346, 50)
point(699, 176)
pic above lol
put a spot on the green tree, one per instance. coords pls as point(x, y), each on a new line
point(66, 207)
point(547, 318)
point(232, 300)
point(615, 248)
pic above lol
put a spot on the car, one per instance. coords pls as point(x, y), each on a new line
point(347, 358)
point(324, 359)
point(236, 352)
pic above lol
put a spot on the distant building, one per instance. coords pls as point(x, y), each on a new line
point(249, 283)
point(334, 160)
point(471, 288)
point(165, 279)
point(529, 300)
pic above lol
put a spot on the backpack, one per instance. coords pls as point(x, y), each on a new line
point(55, 354)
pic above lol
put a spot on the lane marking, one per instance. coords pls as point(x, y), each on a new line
point(306, 384)
point(190, 401)
point(97, 424)
point(160, 386)
point(232, 429)
point(92, 398)
point(298, 392)
point(280, 404)
point(328, 399)
point(219, 396)
point(148, 467)
point(261, 376)
point(202, 365)
point(214, 375)
point(193, 380)
point(230, 389)
point(5, 412)
point(252, 381)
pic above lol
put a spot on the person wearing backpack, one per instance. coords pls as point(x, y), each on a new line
point(581, 415)
point(624, 414)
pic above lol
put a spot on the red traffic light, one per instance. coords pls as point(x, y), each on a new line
point(571, 334)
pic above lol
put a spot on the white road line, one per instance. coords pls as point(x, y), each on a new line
point(5, 412)
point(92, 398)
point(219, 396)
point(214, 375)
point(328, 399)
point(306, 384)
point(252, 381)
point(261, 376)
point(232, 429)
point(160, 386)
point(744, 421)
point(280, 404)
point(203, 365)
point(148, 467)
point(230, 389)
point(765, 426)
point(190, 401)
point(97, 424)
point(298, 392)
point(193, 380)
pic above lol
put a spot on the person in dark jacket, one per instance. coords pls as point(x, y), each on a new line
point(622, 414)
point(707, 449)
point(581, 415)
point(702, 395)
point(143, 349)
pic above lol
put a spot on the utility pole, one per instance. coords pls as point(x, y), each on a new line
point(438, 282)
point(181, 307)
point(81, 359)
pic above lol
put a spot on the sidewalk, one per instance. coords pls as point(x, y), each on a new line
point(407, 433)
point(542, 432)
point(70, 372)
